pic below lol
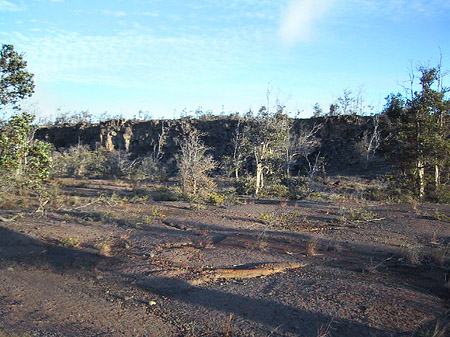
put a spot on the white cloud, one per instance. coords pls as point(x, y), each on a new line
point(299, 18)
point(395, 8)
point(114, 13)
point(132, 58)
point(9, 6)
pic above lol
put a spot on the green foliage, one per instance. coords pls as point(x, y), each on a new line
point(245, 185)
point(76, 161)
point(69, 242)
point(23, 159)
point(164, 194)
point(359, 214)
point(299, 187)
point(395, 189)
point(440, 194)
point(276, 190)
point(81, 161)
point(15, 82)
point(216, 199)
point(419, 129)
point(265, 140)
point(268, 217)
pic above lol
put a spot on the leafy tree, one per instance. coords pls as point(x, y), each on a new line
point(23, 159)
point(266, 138)
point(15, 82)
point(420, 130)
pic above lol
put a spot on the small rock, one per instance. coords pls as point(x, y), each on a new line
point(152, 303)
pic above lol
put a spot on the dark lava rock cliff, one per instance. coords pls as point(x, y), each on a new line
point(339, 136)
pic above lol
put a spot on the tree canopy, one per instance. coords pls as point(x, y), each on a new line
point(16, 83)
point(420, 132)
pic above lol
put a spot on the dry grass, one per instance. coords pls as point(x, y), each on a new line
point(113, 247)
point(228, 326)
point(311, 247)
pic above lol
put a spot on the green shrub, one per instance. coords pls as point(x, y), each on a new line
point(217, 199)
point(76, 161)
point(25, 163)
point(164, 194)
point(441, 194)
point(276, 191)
point(245, 186)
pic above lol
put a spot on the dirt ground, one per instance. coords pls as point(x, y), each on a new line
point(97, 261)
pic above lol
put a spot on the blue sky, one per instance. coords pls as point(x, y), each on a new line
point(122, 56)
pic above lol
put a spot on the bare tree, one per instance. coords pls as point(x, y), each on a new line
point(371, 141)
point(158, 151)
point(238, 155)
point(303, 144)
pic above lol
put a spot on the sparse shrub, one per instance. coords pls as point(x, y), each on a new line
point(276, 191)
point(311, 247)
point(397, 189)
point(149, 168)
point(196, 206)
point(111, 164)
point(412, 253)
point(269, 218)
point(164, 194)
point(441, 194)
point(376, 193)
point(81, 161)
point(299, 187)
point(316, 196)
point(139, 199)
point(74, 162)
point(70, 242)
point(245, 186)
point(359, 214)
point(113, 247)
point(440, 216)
point(216, 199)
point(157, 213)
point(194, 166)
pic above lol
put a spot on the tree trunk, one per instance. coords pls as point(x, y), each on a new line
point(437, 176)
point(421, 178)
point(259, 178)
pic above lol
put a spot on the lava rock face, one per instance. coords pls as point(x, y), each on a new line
point(339, 136)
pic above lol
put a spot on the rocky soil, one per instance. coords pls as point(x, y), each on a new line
point(97, 261)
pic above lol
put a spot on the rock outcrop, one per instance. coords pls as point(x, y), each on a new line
point(339, 137)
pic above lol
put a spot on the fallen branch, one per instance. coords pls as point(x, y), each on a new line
point(245, 271)
point(2, 219)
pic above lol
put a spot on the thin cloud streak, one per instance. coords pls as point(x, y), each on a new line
point(8, 6)
point(131, 59)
